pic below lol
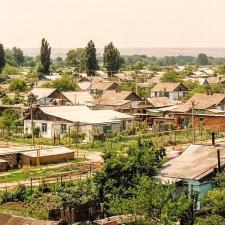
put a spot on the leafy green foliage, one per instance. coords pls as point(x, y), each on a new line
point(153, 203)
point(9, 121)
point(64, 83)
point(121, 170)
point(77, 137)
point(210, 220)
point(11, 70)
point(76, 57)
point(17, 85)
point(172, 76)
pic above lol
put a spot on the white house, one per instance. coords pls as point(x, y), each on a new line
point(57, 120)
point(174, 91)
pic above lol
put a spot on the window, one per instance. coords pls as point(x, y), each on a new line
point(107, 128)
point(63, 128)
point(44, 127)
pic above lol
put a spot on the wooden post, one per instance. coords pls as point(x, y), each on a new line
point(193, 119)
point(218, 158)
point(32, 122)
point(31, 183)
point(90, 169)
point(69, 133)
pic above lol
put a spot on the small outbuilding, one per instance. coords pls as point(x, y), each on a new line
point(47, 156)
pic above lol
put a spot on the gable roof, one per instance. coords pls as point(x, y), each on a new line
point(79, 97)
point(196, 162)
point(202, 101)
point(168, 87)
point(123, 95)
point(103, 85)
point(158, 102)
point(42, 92)
point(83, 85)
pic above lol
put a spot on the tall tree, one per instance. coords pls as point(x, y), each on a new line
point(202, 59)
point(111, 59)
point(18, 56)
point(91, 63)
point(45, 54)
point(2, 58)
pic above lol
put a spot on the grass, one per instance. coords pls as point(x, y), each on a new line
point(27, 173)
point(163, 139)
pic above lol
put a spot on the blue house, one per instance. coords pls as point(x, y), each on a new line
point(195, 168)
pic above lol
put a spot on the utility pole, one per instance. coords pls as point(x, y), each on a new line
point(32, 122)
point(193, 119)
point(136, 89)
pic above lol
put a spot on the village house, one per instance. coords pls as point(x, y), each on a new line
point(200, 80)
point(209, 111)
point(50, 96)
point(216, 80)
point(123, 77)
point(174, 91)
point(79, 97)
point(103, 86)
point(57, 120)
point(195, 168)
point(122, 101)
point(159, 118)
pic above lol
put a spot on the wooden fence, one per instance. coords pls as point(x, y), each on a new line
point(91, 210)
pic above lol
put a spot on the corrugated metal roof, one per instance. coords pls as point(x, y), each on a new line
point(82, 114)
point(201, 101)
point(195, 162)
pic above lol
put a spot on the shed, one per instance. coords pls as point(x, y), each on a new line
point(50, 155)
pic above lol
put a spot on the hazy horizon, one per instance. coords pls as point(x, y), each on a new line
point(128, 23)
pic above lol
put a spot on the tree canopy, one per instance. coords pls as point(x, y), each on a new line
point(111, 59)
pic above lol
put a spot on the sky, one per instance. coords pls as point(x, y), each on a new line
point(128, 23)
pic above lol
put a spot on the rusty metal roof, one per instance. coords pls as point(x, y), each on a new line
point(7, 219)
point(196, 162)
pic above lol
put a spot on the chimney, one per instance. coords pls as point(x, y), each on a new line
point(213, 139)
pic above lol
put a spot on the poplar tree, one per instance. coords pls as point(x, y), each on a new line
point(45, 54)
point(91, 63)
point(111, 59)
point(2, 58)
